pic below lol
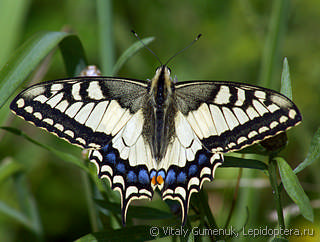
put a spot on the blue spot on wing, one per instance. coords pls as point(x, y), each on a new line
point(132, 177)
point(202, 159)
point(181, 177)
point(111, 157)
point(171, 177)
point(162, 174)
point(192, 170)
point(121, 168)
point(144, 177)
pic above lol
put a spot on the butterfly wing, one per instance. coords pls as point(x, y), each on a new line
point(101, 114)
point(85, 111)
point(214, 118)
point(186, 165)
point(228, 116)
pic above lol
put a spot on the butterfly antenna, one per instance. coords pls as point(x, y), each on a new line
point(187, 47)
point(154, 54)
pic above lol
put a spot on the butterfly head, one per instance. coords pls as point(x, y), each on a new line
point(161, 85)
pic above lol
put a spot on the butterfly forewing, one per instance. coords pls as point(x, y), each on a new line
point(228, 116)
point(85, 111)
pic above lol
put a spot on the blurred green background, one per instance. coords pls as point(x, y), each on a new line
point(234, 47)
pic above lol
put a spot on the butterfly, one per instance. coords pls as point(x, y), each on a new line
point(158, 134)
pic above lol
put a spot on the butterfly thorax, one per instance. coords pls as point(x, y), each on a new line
point(161, 100)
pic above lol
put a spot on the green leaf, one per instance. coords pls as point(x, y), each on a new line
point(73, 55)
point(134, 233)
point(28, 204)
point(313, 153)
point(286, 88)
point(295, 191)
point(141, 212)
point(279, 239)
point(132, 50)
point(8, 167)
point(277, 24)
point(12, 20)
point(230, 161)
point(15, 214)
point(28, 216)
point(106, 35)
point(28, 57)
point(64, 156)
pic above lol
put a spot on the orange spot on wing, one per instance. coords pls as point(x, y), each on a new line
point(153, 180)
point(159, 179)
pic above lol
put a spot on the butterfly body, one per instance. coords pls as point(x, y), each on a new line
point(158, 134)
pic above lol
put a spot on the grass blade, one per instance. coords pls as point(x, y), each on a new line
point(12, 19)
point(286, 87)
point(64, 156)
point(25, 60)
point(7, 168)
point(271, 51)
point(294, 189)
point(132, 50)
point(313, 153)
point(106, 35)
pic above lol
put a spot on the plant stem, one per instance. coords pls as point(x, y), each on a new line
point(104, 11)
point(275, 190)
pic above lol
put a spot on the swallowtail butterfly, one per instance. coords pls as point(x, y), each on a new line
point(144, 135)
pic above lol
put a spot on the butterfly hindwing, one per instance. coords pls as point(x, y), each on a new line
point(228, 116)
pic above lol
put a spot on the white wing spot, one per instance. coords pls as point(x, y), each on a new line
point(252, 134)
point(273, 124)
point(273, 107)
point(223, 95)
point(20, 103)
point(84, 113)
point(81, 141)
point(35, 91)
point(96, 115)
point(94, 91)
point(29, 109)
point(55, 100)
point(241, 97)
point(62, 106)
point(283, 119)
point(292, 114)
point(69, 133)
point(73, 109)
point(41, 98)
point(48, 121)
point(252, 113)
point(106, 168)
point(56, 87)
point(230, 118)
point(241, 140)
point(230, 145)
point(260, 94)
point(76, 92)
point(259, 107)
point(38, 115)
point(193, 181)
point(241, 115)
point(263, 129)
point(218, 118)
point(59, 127)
